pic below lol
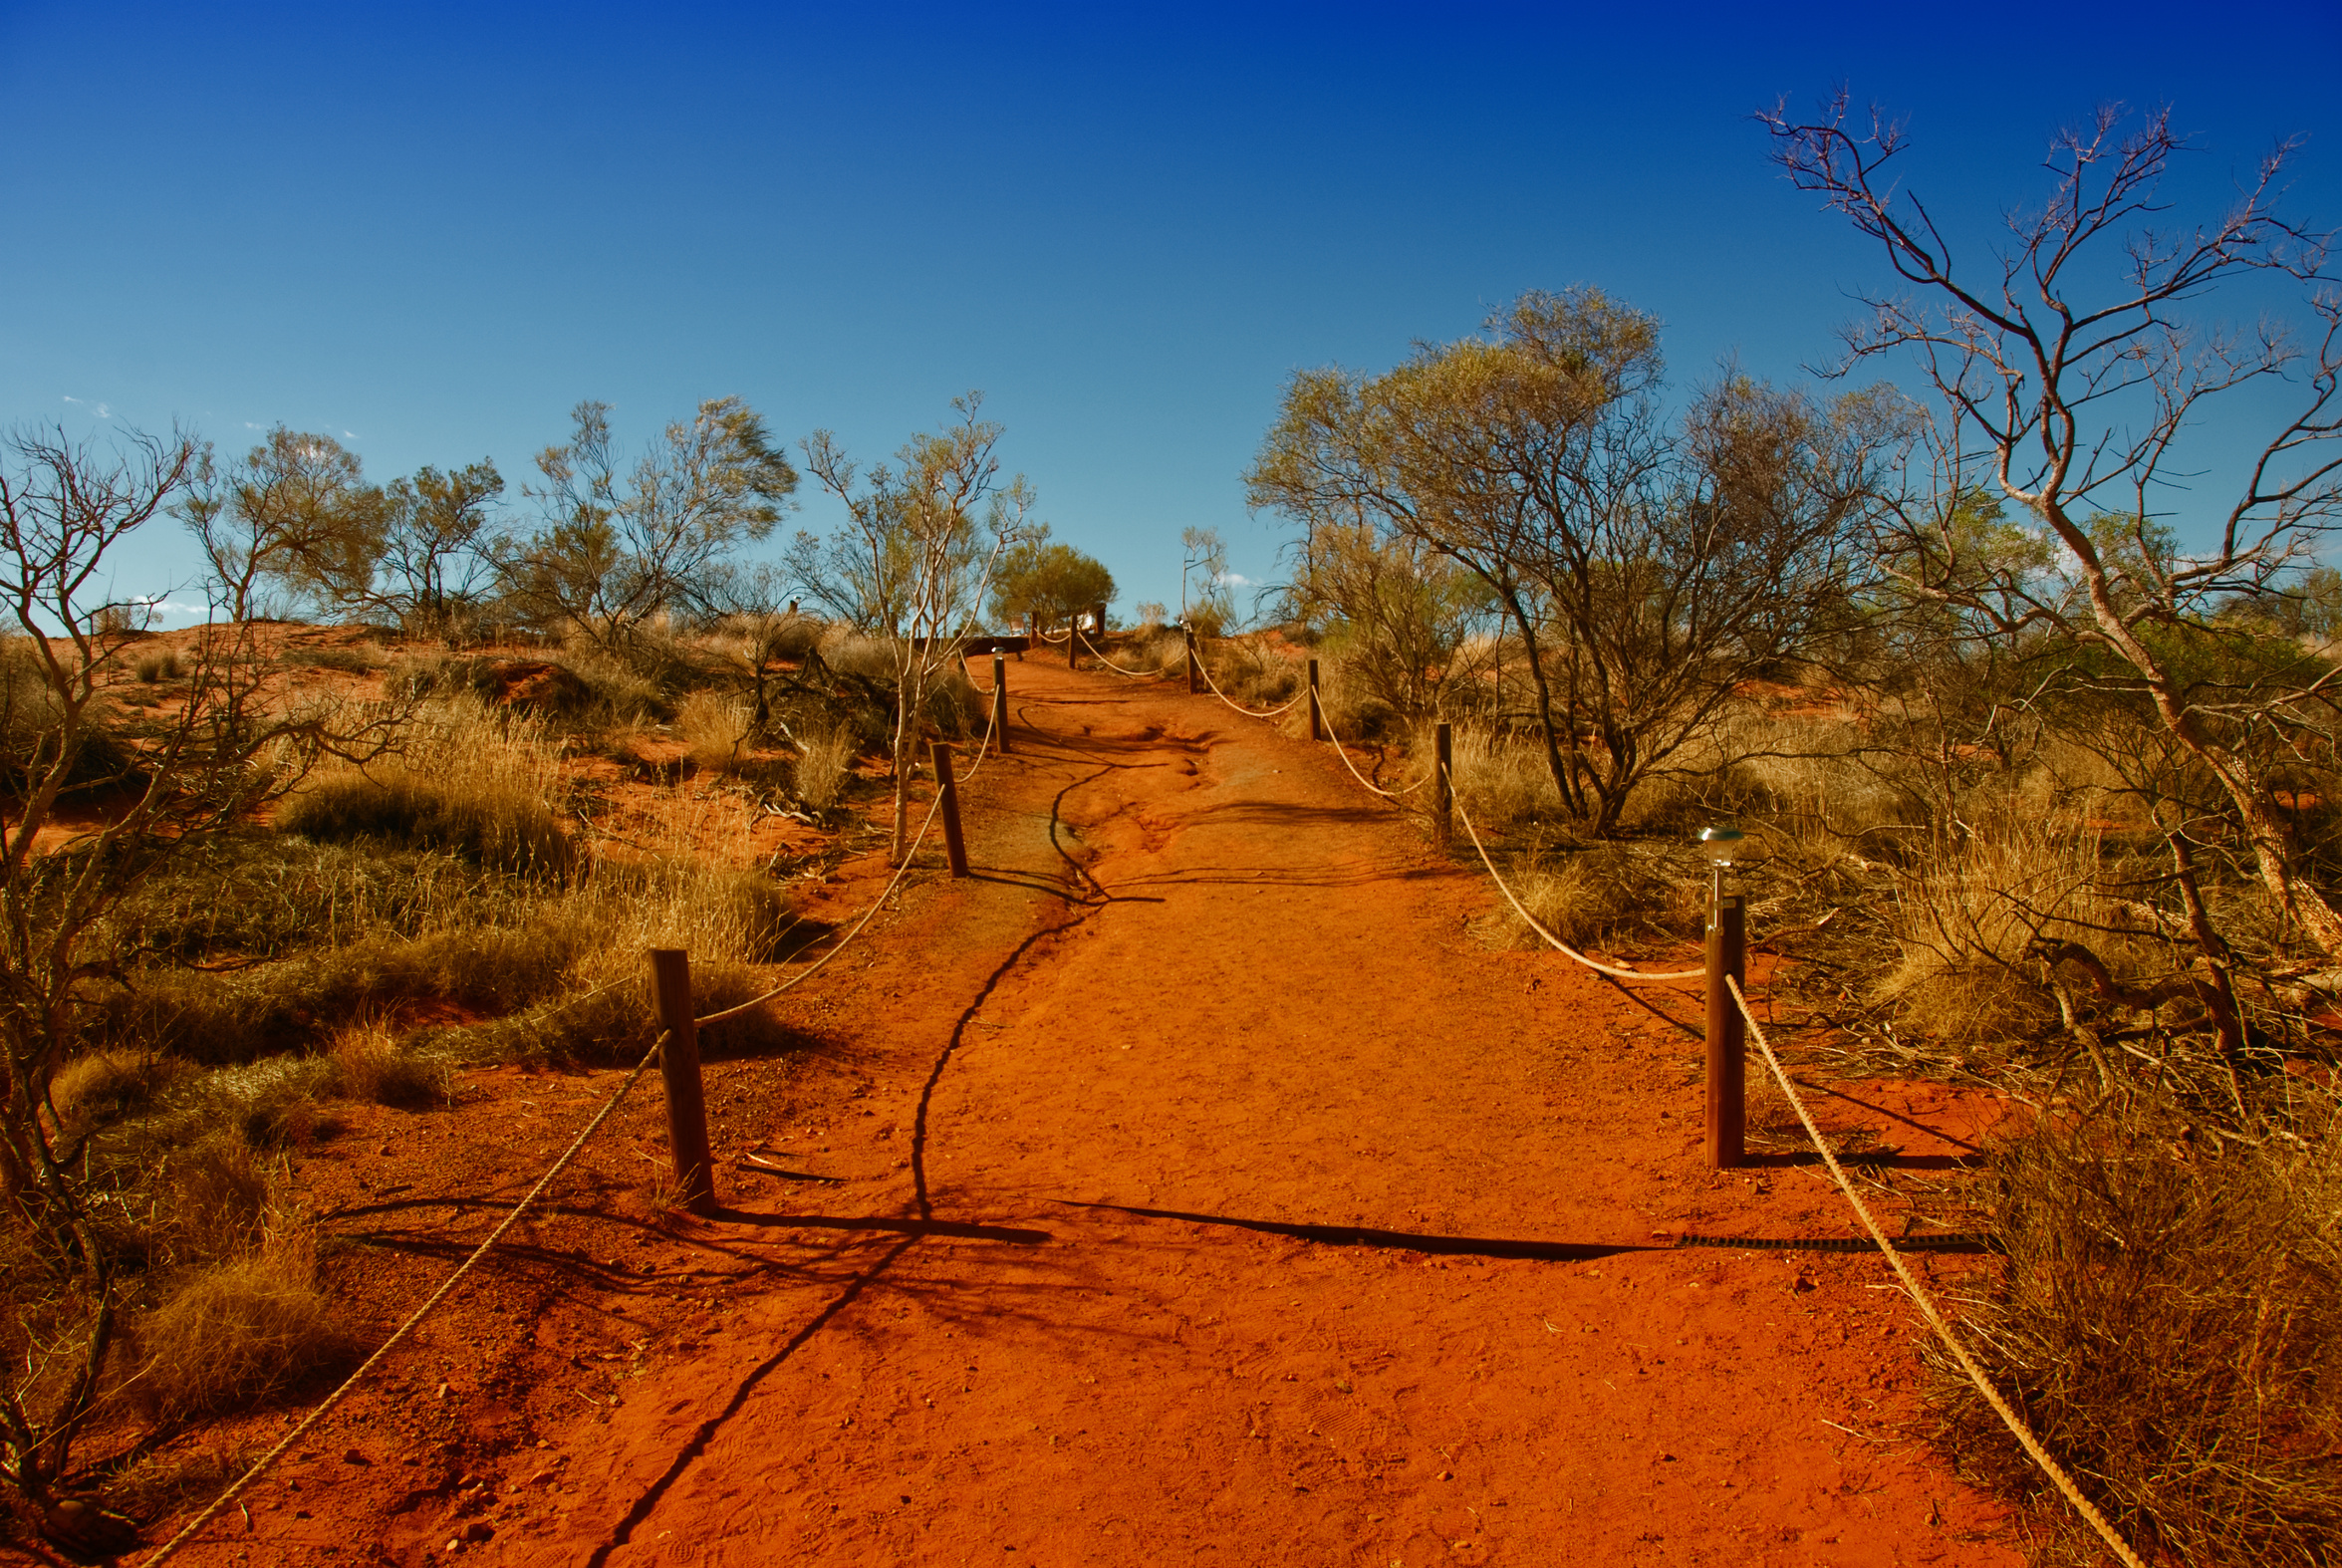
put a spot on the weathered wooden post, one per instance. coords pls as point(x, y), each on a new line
point(955, 846)
point(1194, 685)
point(1000, 701)
point(1317, 714)
point(1727, 1034)
point(1444, 787)
point(679, 1066)
point(1073, 641)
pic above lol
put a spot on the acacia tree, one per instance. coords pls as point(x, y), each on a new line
point(1053, 582)
point(1406, 614)
point(2072, 377)
point(435, 546)
point(1651, 568)
point(295, 515)
point(613, 550)
point(170, 779)
point(935, 526)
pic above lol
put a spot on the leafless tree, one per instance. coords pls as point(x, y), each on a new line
point(2074, 370)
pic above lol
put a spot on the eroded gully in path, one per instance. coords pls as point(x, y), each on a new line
point(1219, 1196)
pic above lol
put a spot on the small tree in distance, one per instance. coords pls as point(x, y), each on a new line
point(930, 532)
point(293, 523)
point(1054, 582)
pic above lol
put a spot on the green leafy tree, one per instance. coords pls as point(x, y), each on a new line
point(435, 548)
point(1054, 582)
point(1650, 567)
point(614, 548)
point(293, 524)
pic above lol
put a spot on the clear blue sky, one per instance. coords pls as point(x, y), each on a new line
point(437, 229)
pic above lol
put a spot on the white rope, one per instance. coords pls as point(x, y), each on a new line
point(1341, 751)
point(261, 1467)
point(1135, 675)
point(2000, 1407)
point(1238, 706)
point(1565, 948)
point(796, 980)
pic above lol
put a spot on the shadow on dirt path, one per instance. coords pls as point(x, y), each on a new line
point(1219, 1195)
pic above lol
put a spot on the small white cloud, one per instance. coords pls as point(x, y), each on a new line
point(1236, 578)
point(105, 412)
point(249, 426)
point(349, 435)
point(70, 398)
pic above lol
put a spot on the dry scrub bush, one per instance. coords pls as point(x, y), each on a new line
point(1588, 896)
point(238, 1332)
point(1501, 783)
point(824, 767)
point(153, 668)
point(1249, 671)
point(106, 1085)
point(1966, 914)
point(715, 729)
point(2169, 1319)
point(467, 780)
point(370, 1065)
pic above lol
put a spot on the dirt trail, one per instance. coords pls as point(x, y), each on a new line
point(1215, 1196)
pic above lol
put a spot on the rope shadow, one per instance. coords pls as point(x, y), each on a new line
point(1390, 1241)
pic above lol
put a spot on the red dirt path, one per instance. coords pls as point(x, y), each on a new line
point(1204, 1192)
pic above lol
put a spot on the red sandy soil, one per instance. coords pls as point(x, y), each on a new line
point(1198, 1189)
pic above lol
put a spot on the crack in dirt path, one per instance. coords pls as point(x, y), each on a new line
point(1256, 1213)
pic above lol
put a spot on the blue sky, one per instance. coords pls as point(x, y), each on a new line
point(436, 229)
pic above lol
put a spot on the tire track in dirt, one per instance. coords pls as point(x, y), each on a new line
point(1256, 1213)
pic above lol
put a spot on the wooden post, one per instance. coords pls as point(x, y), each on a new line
point(1032, 633)
point(1728, 1033)
point(1443, 788)
point(1317, 714)
point(955, 846)
point(1000, 701)
point(1194, 685)
point(678, 1065)
point(1073, 641)
point(1098, 625)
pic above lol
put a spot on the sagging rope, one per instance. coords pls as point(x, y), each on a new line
point(868, 915)
point(1341, 751)
point(1201, 664)
point(1926, 1305)
point(261, 1467)
point(1565, 948)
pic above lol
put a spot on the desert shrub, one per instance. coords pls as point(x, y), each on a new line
point(581, 690)
point(158, 667)
point(346, 661)
point(469, 781)
point(2169, 1319)
point(236, 1333)
point(211, 1205)
point(1970, 909)
point(1592, 895)
point(1352, 707)
point(716, 728)
point(823, 768)
point(1501, 782)
point(507, 831)
point(30, 724)
point(1253, 673)
point(368, 1065)
point(104, 1085)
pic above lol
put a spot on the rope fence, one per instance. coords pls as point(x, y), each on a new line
point(261, 1467)
point(1927, 1303)
point(302, 1429)
point(2026, 1438)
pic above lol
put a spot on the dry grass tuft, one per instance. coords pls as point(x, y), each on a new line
point(2169, 1322)
point(104, 1085)
point(371, 1067)
point(823, 768)
point(1966, 914)
point(1590, 895)
point(238, 1332)
point(469, 781)
point(715, 729)
point(1501, 783)
point(153, 668)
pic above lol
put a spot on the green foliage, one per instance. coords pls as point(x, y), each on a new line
point(1054, 581)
